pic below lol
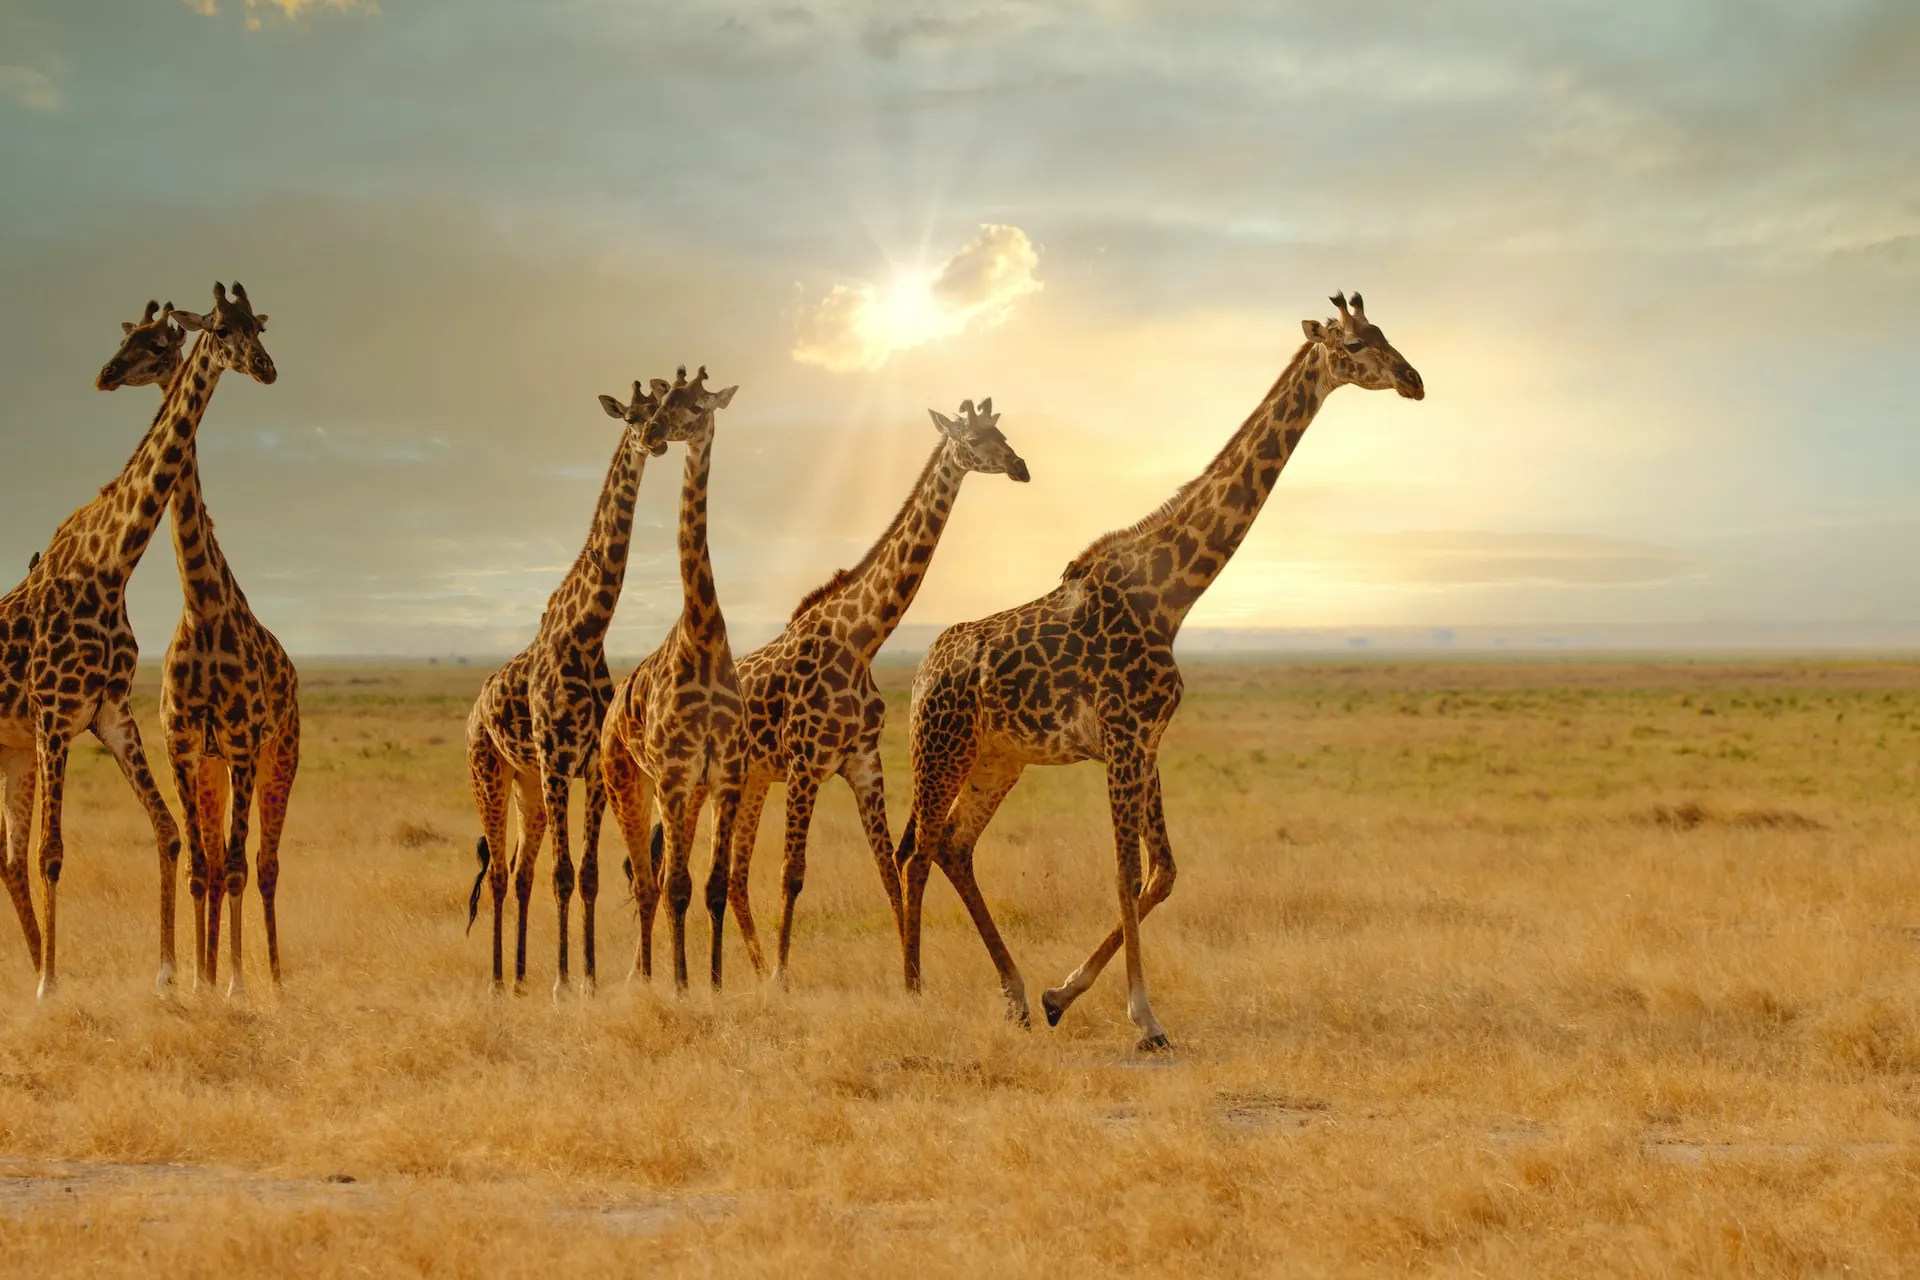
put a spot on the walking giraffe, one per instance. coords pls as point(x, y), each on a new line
point(672, 735)
point(812, 710)
point(1087, 671)
point(536, 724)
point(67, 651)
point(229, 694)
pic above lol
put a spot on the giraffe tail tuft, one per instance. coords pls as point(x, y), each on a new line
point(485, 855)
point(657, 848)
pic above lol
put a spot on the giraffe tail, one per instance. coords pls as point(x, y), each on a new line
point(657, 848)
point(485, 855)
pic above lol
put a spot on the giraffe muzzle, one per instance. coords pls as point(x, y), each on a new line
point(1018, 471)
point(111, 374)
point(1407, 383)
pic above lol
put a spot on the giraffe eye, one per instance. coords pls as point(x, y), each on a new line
point(1356, 346)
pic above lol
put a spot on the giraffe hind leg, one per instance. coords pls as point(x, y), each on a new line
point(533, 829)
point(283, 761)
point(987, 785)
point(19, 767)
point(753, 800)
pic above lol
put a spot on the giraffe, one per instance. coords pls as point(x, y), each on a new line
point(229, 695)
point(812, 710)
point(672, 735)
point(1087, 671)
point(230, 707)
point(67, 653)
point(536, 724)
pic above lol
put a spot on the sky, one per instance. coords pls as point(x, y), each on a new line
point(1658, 264)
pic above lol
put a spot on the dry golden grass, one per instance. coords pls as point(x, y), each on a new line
point(1473, 968)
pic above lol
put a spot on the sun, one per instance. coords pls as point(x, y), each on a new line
point(905, 312)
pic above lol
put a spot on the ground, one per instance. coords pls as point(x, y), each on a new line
point(1473, 968)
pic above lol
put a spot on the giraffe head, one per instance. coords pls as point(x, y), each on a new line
point(234, 330)
point(638, 414)
point(686, 409)
point(1359, 353)
point(977, 442)
point(149, 351)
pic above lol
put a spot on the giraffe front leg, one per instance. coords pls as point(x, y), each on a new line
point(216, 795)
point(726, 811)
point(22, 784)
point(52, 748)
point(802, 792)
point(1057, 1000)
point(630, 793)
point(116, 727)
point(680, 814)
point(595, 805)
point(556, 801)
point(187, 785)
point(242, 773)
point(863, 773)
point(1127, 774)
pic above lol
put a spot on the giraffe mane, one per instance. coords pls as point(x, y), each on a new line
point(1081, 565)
point(841, 577)
point(821, 592)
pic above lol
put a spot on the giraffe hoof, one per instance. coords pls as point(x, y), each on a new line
point(46, 989)
point(1155, 1043)
point(163, 985)
point(1054, 1006)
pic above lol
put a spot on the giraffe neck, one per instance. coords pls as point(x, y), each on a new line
point(206, 581)
point(888, 577)
point(700, 608)
point(109, 536)
point(582, 606)
point(1206, 521)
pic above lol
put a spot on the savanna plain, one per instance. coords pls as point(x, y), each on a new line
point(1473, 968)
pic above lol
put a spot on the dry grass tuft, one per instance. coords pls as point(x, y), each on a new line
point(1691, 815)
point(1472, 969)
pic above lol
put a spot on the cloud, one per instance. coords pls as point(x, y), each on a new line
point(34, 90)
point(856, 327)
point(288, 9)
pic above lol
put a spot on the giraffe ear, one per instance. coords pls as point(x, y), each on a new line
point(945, 425)
point(613, 407)
point(190, 319)
point(1315, 331)
point(719, 400)
point(126, 326)
point(660, 386)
